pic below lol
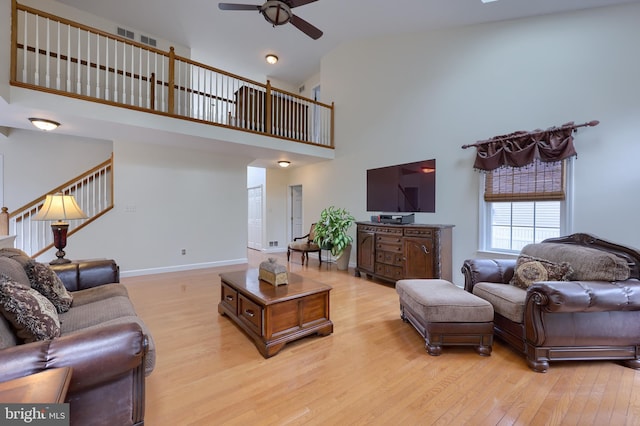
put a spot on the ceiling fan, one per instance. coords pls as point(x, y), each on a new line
point(278, 12)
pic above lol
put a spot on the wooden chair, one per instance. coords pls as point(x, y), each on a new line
point(305, 245)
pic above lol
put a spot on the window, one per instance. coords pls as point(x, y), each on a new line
point(525, 205)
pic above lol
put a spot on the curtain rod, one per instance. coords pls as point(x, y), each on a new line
point(535, 132)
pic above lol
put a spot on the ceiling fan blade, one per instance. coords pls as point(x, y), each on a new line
point(233, 6)
point(306, 27)
point(296, 3)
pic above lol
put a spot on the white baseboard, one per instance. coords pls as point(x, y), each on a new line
point(178, 268)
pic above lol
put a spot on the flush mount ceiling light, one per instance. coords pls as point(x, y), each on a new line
point(284, 163)
point(488, 1)
point(271, 59)
point(44, 124)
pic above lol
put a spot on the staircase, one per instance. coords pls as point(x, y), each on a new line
point(93, 190)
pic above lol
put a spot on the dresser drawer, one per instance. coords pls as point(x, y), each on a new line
point(389, 271)
point(418, 232)
point(229, 298)
point(250, 314)
point(388, 243)
point(389, 230)
point(389, 257)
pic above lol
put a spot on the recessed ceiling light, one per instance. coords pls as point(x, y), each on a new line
point(44, 124)
point(271, 59)
point(488, 1)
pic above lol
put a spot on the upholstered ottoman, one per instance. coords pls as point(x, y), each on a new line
point(445, 314)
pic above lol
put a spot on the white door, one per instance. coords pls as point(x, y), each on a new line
point(296, 212)
point(255, 218)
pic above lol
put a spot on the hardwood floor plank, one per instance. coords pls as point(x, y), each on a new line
point(372, 370)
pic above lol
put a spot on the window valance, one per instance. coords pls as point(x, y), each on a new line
point(521, 148)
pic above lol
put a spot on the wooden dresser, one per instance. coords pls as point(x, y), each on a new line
point(394, 252)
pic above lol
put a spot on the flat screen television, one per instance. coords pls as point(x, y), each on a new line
point(409, 188)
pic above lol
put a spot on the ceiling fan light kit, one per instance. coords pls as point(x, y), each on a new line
point(278, 12)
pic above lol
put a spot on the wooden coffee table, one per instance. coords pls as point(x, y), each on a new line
point(273, 316)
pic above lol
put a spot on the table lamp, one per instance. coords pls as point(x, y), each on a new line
point(58, 208)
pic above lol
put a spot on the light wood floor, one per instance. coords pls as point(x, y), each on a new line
point(373, 369)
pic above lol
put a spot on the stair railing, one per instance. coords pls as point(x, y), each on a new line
point(93, 190)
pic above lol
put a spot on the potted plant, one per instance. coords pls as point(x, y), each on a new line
point(331, 233)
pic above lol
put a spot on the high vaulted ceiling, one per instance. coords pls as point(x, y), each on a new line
point(237, 41)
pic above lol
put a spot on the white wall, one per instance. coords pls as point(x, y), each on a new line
point(277, 209)
point(455, 87)
point(167, 199)
point(36, 162)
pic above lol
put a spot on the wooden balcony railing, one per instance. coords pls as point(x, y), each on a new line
point(56, 55)
point(93, 190)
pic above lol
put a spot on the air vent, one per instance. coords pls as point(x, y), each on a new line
point(126, 33)
point(148, 40)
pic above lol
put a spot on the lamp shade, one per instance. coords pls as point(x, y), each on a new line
point(60, 207)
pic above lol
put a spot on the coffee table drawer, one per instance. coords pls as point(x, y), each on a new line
point(250, 313)
point(229, 298)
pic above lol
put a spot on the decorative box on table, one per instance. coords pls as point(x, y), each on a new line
point(272, 272)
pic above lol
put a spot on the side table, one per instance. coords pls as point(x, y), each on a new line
point(46, 387)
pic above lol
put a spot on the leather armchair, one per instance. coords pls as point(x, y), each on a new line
point(565, 320)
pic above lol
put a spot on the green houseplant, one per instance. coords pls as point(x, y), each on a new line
point(331, 231)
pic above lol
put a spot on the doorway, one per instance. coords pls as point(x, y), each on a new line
point(255, 213)
point(295, 203)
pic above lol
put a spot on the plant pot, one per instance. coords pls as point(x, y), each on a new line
point(342, 262)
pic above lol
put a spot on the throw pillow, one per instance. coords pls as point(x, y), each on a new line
point(532, 269)
point(31, 314)
point(15, 271)
point(589, 264)
point(46, 282)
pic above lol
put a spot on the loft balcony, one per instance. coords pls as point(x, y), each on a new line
point(56, 56)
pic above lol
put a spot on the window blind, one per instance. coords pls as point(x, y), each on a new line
point(538, 181)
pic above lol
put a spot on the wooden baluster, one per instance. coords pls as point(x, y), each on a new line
point(152, 90)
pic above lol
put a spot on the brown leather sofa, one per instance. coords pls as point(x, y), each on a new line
point(103, 341)
point(564, 320)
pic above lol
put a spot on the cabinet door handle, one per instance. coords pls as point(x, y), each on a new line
point(249, 313)
point(424, 249)
point(229, 298)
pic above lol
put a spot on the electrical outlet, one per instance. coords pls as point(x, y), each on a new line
point(183, 251)
point(275, 244)
point(270, 243)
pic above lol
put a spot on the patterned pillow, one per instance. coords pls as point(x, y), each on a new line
point(46, 281)
point(33, 317)
point(532, 269)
